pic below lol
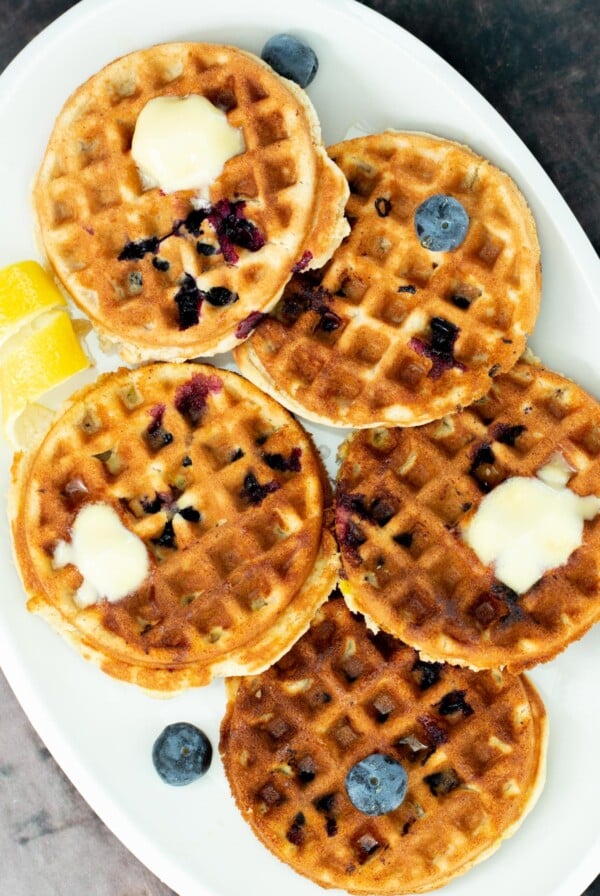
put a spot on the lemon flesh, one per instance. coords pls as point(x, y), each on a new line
point(36, 360)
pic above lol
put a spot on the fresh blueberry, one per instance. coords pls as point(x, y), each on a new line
point(377, 784)
point(181, 754)
point(291, 58)
point(441, 223)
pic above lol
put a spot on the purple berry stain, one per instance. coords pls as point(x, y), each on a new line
point(245, 327)
point(156, 435)
point(190, 397)
point(303, 263)
point(440, 349)
point(233, 228)
point(307, 297)
point(254, 492)
point(350, 535)
point(454, 702)
point(436, 733)
point(507, 434)
point(282, 464)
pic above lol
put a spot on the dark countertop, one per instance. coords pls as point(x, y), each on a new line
point(538, 63)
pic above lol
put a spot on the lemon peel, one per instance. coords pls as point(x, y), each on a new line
point(26, 290)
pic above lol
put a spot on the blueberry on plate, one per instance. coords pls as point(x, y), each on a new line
point(377, 784)
point(181, 754)
point(291, 58)
point(441, 223)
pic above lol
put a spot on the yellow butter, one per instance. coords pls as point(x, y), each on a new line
point(182, 143)
point(112, 560)
point(525, 527)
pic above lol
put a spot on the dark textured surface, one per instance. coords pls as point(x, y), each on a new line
point(538, 63)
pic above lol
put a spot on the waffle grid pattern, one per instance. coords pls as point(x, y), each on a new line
point(91, 201)
point(427, 586)
point(235, 560)
point(292, 734)
point(387, 288)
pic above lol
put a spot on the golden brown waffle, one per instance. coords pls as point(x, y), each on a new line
point(224, 489)
point(403, 496)
point(472, 743)
point(355, 357)
point(91, 203)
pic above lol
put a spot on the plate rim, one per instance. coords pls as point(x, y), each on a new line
point(582, 254)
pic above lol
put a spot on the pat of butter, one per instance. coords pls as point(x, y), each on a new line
point(182, 143)
point(112, 560)
point(525, 527)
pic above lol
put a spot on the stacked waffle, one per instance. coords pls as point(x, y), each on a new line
point(397, 330)
point(218, 484)
point(223, 497)
point(224, 491)
point(130, 254)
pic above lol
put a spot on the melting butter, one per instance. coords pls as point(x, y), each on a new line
point(526, 526)
point(112, 560)
point(182, 143)
point(556, 472)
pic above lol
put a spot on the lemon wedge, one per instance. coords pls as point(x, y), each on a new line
point(26, 290)
point(37, 359)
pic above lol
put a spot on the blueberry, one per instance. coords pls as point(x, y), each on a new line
point(256, 493)
point(377, 784)
point(291, 58)
point(205, 249)
point(167, 538)
point(188, 300)
point(136, 249)
point(441, 223)
point(181, 754)
point(219, 296)
point(190, 514)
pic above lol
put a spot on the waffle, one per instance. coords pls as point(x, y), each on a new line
point(291, 735)
point(407, 565)
point(224, 489)
point(92, 206)
point(356, 343)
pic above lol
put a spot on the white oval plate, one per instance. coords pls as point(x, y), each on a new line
point(101, 731)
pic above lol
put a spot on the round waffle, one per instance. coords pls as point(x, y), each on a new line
point(130, 256)
point(390, 332)
point(404, 497)
point(472, 743)
point(226, 493)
